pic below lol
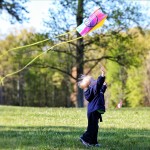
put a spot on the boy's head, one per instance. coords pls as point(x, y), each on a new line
point(84, 81)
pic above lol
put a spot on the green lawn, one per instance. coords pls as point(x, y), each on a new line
point(26, 128)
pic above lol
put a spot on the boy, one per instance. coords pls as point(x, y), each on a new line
point(94, 94)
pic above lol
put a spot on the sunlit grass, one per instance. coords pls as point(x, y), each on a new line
point(25, 128)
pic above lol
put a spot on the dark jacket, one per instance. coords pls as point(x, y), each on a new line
point(95, 95)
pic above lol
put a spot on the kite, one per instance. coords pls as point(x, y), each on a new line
point(95, 20)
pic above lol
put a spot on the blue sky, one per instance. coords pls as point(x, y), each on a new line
point(38, 10)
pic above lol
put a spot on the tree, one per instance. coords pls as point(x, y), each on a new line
point(41, 83)
point(14, 89)
point(79, 51)
point(146, 69)
point(147, 80)
point(121, 17)
point(15, 9)
point(126, 78)
point(134, 87)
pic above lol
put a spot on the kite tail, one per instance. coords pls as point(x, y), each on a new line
point(13, 73)
point(36, 43)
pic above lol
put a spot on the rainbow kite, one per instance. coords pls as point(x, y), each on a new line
point(95, 20)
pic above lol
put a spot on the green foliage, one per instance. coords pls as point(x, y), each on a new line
point(50, 86)
point(34, 86)
point(115, 86)
point(135, 92)
point(60, 128)
point(57, 79)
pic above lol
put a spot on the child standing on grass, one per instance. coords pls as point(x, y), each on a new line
point(94, 94)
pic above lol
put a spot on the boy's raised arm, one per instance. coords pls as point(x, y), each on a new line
point(100, 80)
point(104, 87)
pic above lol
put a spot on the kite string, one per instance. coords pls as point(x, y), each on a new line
point(10, 74)
point(36, 43)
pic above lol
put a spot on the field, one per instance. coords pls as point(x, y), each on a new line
point(26, 128)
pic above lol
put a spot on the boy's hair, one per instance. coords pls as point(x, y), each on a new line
point(82, 76)
point(93, 82)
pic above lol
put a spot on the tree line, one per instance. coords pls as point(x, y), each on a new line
point(51, 80)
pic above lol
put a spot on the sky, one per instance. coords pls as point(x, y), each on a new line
point(38, 10)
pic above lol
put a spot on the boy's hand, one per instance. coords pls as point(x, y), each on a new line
point(105, 83)
point(102, 71)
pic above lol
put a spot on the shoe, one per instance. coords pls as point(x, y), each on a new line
point(84, 143)
point(97, 145)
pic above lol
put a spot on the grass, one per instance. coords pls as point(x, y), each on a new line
point(26, 128)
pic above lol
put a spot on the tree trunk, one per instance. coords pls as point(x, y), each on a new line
point(45, 91)
point(80, 53)
point(1, 94)
point(20, 90)
point(20, 84)
point(123, 78)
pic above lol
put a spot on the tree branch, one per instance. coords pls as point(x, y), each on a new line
point(114, 59)
point(69, 42)
point(93, 67)
point(55, 68)
point(98, 59)
point(65, 53)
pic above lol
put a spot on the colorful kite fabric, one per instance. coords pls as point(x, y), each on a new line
point(94, 21)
